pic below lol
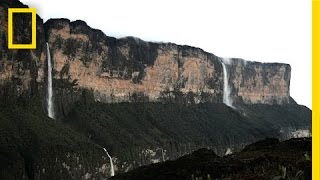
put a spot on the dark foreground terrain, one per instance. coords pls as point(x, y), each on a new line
point(266, 159)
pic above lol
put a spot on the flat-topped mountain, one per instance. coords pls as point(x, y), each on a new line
point(81, 91)
point(118, 69)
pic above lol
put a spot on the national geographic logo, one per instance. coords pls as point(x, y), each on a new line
point(11, 12)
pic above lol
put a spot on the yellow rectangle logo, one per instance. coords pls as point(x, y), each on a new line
point(33, 44)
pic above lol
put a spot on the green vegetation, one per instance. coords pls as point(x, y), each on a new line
point(127, 127)
point(31, 142)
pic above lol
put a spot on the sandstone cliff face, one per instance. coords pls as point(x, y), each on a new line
point(130, 69)
point(255, 82)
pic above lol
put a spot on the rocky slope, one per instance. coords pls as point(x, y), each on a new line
point(145, 102)
point(267, 159)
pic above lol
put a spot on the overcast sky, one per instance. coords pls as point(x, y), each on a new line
point(257, 30)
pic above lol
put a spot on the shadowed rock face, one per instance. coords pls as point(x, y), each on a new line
point(19, 69)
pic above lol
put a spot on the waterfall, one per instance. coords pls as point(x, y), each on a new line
point(162, 153)
point(111, 163)
point(228, 152)
point(49, 97)
point(226, 88)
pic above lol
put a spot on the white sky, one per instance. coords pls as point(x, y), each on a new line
point(258, 30)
